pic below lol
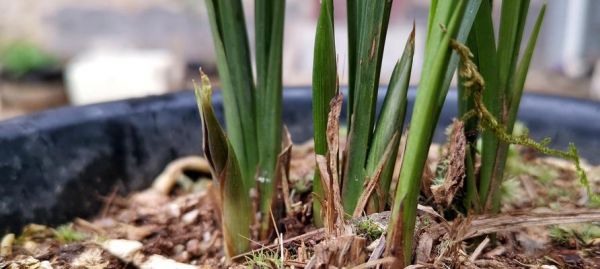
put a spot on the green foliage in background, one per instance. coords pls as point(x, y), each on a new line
point(20, 58)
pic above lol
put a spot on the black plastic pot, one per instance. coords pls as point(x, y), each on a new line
point(57, 164)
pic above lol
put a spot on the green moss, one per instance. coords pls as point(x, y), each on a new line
point(559, 235)
point(511, 191)
point(554, 206)
point(302, 185)
point(264, 259)
point(369, 229)
point(556, 192)
point(583, 233)
point(516, 165)
point(440, 172)
point(474, 84)
point(66, 234)
point(425, 221)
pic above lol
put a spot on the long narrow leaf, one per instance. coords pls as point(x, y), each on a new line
point(233, 63)
point(269, 125)
point(263, 20)
point(391, 121)
point(353, 22)
point(492, 96)
point(461, 37)
point(522, 70)
point(400, 233)
point(512, 23)
point(511, 29)
point(441, 16)
point(430, 24)
point(324, 86)
point(373, 23)
point(517, 92)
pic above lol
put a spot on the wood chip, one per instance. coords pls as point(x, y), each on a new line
point(375, 263)
point(378, 251)
point(6, 245)
point(424, 248)
point(343, 251)
point(479, 249)
point(512, 221)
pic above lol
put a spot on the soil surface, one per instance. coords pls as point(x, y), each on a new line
point(547, 221)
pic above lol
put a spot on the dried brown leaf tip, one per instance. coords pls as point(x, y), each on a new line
point(328, 167)
point(427, 179)
point(333, 123)
point(451, 170)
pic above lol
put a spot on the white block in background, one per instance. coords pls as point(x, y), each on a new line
point(106, 75)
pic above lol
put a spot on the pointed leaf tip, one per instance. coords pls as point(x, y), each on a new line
point(204, 91)
point(206, 86)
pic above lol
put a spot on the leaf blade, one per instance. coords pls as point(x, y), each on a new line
point(268, 122)
point(374, 22)
point(324, 82)
point(233, 64)
point(390, 122)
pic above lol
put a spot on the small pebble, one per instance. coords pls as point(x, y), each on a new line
point(178, 249)
point(206, 236)
point(174, 210)
point(124, 249)
point(46, 265)
point(193, 247)
point(183, 257)
point(190, 217)
point(160, 262)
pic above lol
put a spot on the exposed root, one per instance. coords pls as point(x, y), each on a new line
point(168, 178)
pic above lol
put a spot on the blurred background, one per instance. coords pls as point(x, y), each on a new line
point(70, 52)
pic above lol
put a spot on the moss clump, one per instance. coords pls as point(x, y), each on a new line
point(511, 191)
point(475, 85)
point(584, 233)
point(264, 259)
point(369, 229)
point(66, 234)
